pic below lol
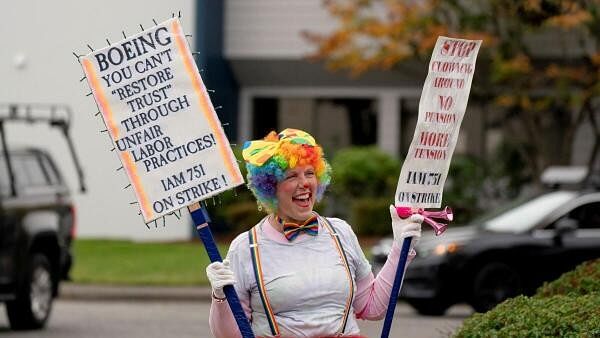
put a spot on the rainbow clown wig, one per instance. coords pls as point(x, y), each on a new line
point(268, 159)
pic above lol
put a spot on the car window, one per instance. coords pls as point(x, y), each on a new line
point(495, 212)
point(49, 170)
point(587, 216)
point(4, 181)
point(27, 170)
point(525, 216)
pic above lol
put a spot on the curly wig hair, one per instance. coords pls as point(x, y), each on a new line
point(289, 154)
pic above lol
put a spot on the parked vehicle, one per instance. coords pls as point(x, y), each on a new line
point(37, 225)
point(508, 252)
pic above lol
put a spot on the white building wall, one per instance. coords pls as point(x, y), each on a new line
point(272, 28)
point(37, 65)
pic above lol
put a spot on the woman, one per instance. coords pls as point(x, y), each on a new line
point(299, 274)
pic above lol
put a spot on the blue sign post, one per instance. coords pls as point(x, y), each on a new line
point(387, 324)
point(201, 220)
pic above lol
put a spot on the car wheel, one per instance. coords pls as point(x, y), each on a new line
point(31, 308)
point(494, 283)
point(429, 307)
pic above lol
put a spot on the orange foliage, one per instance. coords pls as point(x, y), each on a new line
point(505, 100)
point(533, 5)
point(378, 34)
point(595, 58)
point(570, 20)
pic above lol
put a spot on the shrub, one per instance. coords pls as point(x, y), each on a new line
point(359, 174)
point(243, 215)
point(566, 307)
point(364, 172)
point(463, 187)
point(584, 280)
point(556, 316)
point(371, 216)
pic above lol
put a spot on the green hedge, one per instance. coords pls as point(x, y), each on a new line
point(364, 172)
point(371, 216)
point(243, 215)
point(585, 279)
point(566, 307)
point(556, 316)
point(363, 186)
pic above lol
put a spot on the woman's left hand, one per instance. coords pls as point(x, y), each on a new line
point(404, 228)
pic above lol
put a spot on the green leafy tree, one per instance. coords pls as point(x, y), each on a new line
point(545, 90)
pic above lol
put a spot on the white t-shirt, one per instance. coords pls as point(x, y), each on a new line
point(306, 281)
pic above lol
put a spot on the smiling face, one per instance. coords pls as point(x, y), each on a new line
point(296, 194)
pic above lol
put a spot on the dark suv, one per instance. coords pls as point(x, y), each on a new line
point(37, 226)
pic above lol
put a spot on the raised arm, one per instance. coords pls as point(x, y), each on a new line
point(373, 294)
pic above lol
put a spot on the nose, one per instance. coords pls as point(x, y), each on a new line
point(303, 181)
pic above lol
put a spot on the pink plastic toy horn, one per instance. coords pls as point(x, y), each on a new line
point(428, 216)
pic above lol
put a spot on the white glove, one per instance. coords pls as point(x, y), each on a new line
point(403, 228)
point(219, 274)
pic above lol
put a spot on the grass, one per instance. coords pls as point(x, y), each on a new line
point(133, 263)
point(130, 263)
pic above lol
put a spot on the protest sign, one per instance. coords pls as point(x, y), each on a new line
point(441, 110)
point(161, 120)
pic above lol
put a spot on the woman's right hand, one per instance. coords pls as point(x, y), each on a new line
point(404, 228)
point(219, 274)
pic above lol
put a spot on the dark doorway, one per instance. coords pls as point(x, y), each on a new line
point(264, 117)
point(362, 116)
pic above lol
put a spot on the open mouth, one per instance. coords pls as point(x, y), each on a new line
point(302, 200)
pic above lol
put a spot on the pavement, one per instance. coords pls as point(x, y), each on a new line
point(74, 291)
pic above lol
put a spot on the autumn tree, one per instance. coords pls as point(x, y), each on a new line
point(541, 59)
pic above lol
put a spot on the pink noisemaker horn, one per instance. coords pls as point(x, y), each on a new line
point(428, 216)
